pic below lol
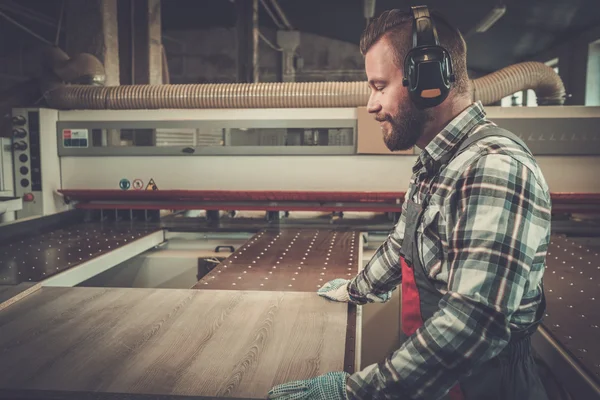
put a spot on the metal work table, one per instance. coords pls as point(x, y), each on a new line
point(568, 338)
point(38, 257)
point(27, 261)
point(289, 259)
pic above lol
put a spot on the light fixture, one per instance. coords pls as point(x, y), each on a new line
point(491, 18)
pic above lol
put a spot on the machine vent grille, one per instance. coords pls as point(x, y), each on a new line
point(189, 137)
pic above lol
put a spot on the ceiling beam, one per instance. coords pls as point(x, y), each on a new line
point(585, 35)
point(28, 13)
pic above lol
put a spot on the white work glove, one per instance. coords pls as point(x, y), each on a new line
point(336, 290)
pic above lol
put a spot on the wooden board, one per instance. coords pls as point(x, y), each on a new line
point(299, 260)
point(9, 294)
point(168, 341)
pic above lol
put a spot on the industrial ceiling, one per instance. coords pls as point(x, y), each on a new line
point(527, 28)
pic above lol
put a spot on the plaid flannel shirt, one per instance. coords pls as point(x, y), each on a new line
point(482, 241)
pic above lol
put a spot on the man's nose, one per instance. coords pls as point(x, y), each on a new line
point(373, 106)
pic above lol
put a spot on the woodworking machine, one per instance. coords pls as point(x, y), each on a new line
point(186, 199)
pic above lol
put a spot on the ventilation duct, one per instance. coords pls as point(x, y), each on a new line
point(83, 68)
point(488, 89)
point(539, 77)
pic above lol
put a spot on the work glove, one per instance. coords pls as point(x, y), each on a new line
point(337, 290)
point(331, 386)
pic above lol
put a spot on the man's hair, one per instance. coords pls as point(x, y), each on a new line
point(396, 25)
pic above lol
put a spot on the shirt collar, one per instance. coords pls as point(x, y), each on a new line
point(452, 134)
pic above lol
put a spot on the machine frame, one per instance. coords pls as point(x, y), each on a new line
point(330, 179)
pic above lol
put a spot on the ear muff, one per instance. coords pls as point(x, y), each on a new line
point(428, 72)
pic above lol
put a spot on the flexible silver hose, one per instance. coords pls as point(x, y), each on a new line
point(489, 89)
point(546, 83)
point(219, 95)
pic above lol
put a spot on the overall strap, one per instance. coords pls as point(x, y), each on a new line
point(491, 130)
point(481, 132)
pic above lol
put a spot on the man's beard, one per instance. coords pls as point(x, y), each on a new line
point(406, 127)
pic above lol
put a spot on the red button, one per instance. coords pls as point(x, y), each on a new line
point(28, 197)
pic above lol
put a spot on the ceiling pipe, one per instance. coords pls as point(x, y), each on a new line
point(281, 14)
point(270, 12)
point(28, 13)
point(489, 20)
point(26, 29)
point(255, 41)
point(60, 21)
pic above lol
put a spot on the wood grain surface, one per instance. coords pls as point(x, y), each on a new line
point(168, 341)
point(299, 260)
point(9, 294)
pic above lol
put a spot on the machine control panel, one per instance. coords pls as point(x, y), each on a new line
point(34, 142)
point(19, 120)
point(6, 169)
point(19, 133)
point(27, 160)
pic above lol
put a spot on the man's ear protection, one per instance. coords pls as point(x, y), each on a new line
point(428, 72)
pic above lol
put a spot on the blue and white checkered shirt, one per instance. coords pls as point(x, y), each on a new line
point(483, 241)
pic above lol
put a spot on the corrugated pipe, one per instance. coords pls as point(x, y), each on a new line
point(220, 95)
point(489, 89)
point(546, 83)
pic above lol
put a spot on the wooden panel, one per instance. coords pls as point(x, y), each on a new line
point(289, 260)
point(157, 341)
point(10, 294)
point(370, 138)
point(9, 291)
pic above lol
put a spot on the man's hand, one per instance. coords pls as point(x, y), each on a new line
point(337, 290)
point(331, 386)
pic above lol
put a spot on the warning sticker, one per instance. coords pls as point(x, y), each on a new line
point(138, 184)
point(151, 185)
point(78, 138)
